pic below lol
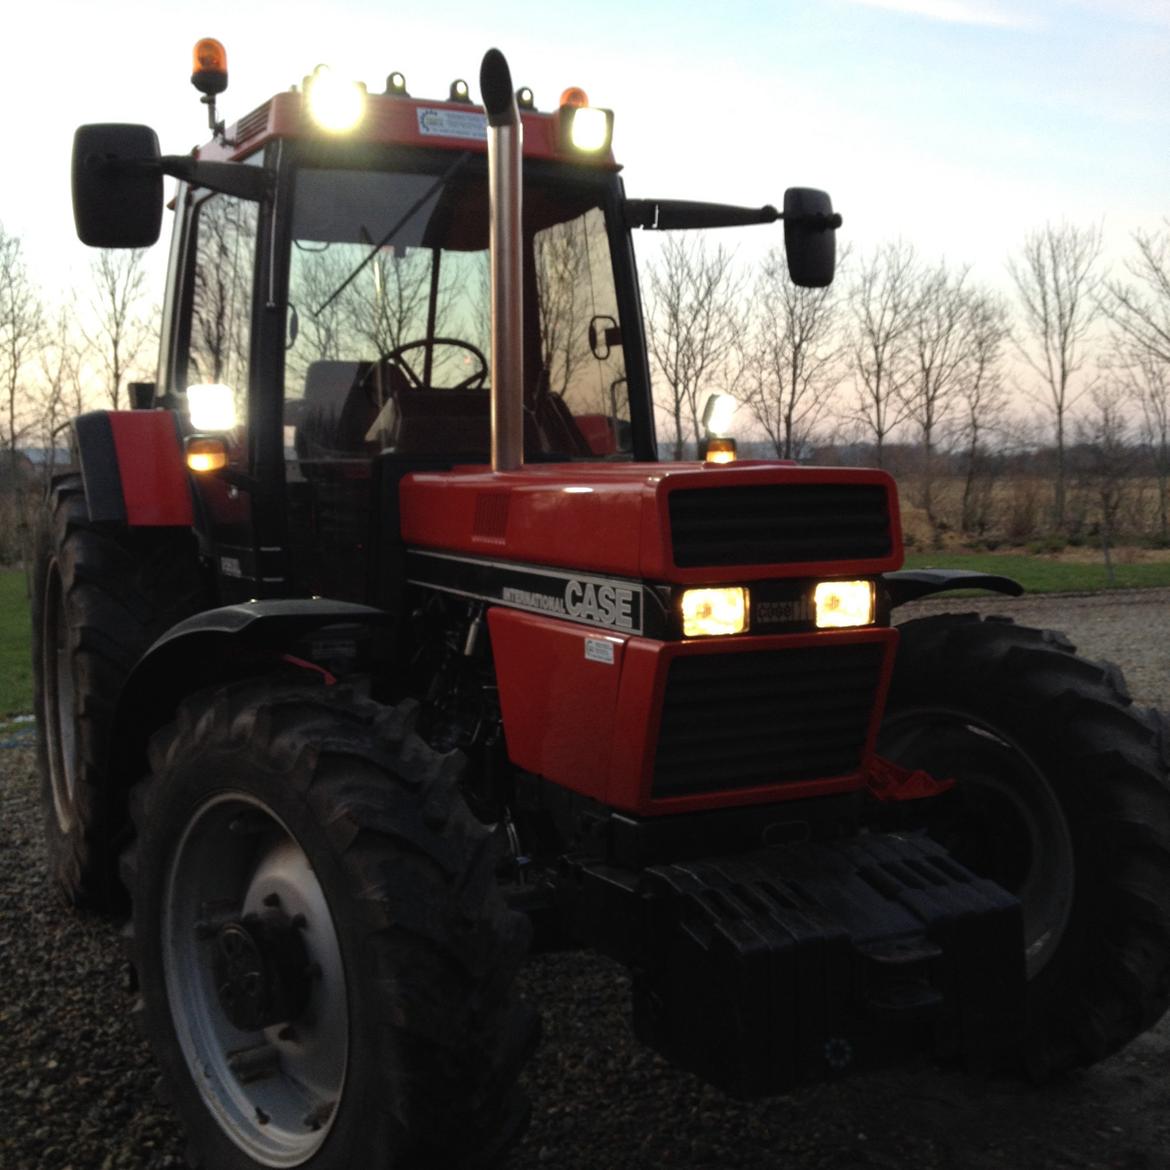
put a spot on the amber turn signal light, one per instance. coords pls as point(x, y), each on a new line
point(205, 455)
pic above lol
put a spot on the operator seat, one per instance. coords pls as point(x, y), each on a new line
point(340, 406)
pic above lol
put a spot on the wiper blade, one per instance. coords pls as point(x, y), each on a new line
point(460, 160)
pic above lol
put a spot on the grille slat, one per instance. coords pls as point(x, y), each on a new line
point(737, 720)
point(783, 523)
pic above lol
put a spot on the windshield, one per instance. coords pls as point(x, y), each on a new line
point(388, 343)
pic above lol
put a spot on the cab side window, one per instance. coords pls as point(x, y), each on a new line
point(221, 296)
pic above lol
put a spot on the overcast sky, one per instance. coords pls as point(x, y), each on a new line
point(957, 124)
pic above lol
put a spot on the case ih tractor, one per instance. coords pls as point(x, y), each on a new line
point(375, 646)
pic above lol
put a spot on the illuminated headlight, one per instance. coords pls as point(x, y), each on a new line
point(707, 612)
point(590, 128)
point(844, 603)
point(212, 407)
point(334, 103)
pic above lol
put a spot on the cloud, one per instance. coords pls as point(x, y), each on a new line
point(956, 12)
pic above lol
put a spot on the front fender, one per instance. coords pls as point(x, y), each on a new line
point(911, 584)
point(217, 645)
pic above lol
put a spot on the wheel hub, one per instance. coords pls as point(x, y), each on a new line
point(261, 969)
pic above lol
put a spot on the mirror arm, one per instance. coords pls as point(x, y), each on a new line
point(246, 182)
point(667, 214)
point(817, 221)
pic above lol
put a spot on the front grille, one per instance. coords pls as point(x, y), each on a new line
point(779, 524)
point(749, 719)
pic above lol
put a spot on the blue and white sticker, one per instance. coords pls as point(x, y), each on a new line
point(440, 123)
point(599, 650)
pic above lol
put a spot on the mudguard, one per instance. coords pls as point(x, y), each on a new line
point(911, 584)
point(212, 647)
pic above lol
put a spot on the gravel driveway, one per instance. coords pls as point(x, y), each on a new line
point(76, 1082)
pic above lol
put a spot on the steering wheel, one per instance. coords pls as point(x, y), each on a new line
point(414, 379)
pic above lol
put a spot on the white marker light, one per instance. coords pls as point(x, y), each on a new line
point(717, 414)
point(841, 604)
point(212, 406)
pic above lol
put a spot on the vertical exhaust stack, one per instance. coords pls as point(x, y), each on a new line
point(505, 140)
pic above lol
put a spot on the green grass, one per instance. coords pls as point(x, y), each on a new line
point(1040, 574)
point(15, 664)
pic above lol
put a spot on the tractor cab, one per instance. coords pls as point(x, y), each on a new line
point(328, 325)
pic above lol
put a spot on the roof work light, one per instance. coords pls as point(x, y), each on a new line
point(334, 103)
point(584, 127)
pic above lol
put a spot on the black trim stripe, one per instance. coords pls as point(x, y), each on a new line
point(618, 604)
point(99, 467)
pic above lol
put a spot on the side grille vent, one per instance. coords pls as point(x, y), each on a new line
point(251, 124)
point(781, 524)
point(744, 720)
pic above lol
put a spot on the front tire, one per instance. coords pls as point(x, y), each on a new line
point(1062, 797)
point(326, 962)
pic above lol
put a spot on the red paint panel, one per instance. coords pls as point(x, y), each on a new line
point(611, 518)
point(592, 726)
point(557, 701)
point(155, 486)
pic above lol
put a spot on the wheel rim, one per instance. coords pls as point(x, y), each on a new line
point(60, 707)
point(1004, 821)
point(274, 1087)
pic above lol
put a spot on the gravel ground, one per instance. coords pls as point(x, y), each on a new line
point(76, 1082)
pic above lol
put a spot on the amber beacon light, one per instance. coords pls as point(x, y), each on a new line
point(209, 70)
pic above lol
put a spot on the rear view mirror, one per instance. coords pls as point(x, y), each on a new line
point(117, 185)
point(810, 236)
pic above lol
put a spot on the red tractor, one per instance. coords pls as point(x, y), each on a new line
point(375, 646)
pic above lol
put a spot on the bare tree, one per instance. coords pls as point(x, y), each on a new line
point(21, 318)
point(122, 325)
point(562, 278)
point(882, 302)
point(1141, 310)
point(694, 325)
point(61, 393)
point(793, 359)
point(1105, 433)
point(940, 337)
point(1146, 381)
point(983, 396)
point(1057, 281)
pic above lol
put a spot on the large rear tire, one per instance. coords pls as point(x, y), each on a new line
point(1062, 797)
point(101, 595)
point(325, 959)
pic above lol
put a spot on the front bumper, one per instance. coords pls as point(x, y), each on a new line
point(770, 969)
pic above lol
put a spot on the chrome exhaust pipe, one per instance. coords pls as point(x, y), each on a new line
point(505, 141)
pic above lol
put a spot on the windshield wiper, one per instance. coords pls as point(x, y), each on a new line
point(448, 174)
